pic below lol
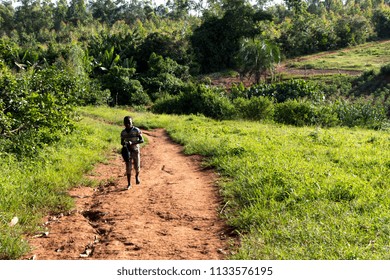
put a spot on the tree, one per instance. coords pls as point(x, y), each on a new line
point(33, 16)
point(257, 57)
point(161, 44)
point(381, 20)
point(179, 9)
point(60, 12)
point(352, 30)
point(7, 13)
point(104, 11)
point(217, 40)
point(77, 12)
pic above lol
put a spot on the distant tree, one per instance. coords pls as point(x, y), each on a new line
point(306, 34)
point(335, 6)
point(217, 40)
point(131, 10)
point(381, 20)
point(160, 44)
point(297, 6)
point(179, 9)
point(60, 12)
point(104, 11)
point(7, 13)
point(77, 12)
point(32, 16)
point(257, 57)
point(352, 30)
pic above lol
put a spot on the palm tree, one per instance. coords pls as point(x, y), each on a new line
point(257, 57)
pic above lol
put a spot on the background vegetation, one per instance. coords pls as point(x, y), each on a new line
point(58, 56)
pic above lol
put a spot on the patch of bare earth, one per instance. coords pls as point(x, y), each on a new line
point(173, 214)
point(228, 82)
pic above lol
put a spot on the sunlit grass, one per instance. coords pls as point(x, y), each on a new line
point(370, 56)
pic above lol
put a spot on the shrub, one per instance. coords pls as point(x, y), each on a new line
point(381, 20)
point(164, 75)
point(196, 99)
point(361, 114)
point(295, 112)
point(325, 116)
point(131, 92)
point(292, 89)
point(37, 107)
point(256, 108)
point(385, 70)
point(167, 104)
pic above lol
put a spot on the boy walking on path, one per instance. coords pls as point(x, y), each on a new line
point(131, 137)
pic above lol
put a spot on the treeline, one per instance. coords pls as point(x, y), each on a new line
point(58, 55)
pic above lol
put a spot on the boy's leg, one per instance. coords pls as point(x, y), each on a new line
point(128, 173)
point(137, 166)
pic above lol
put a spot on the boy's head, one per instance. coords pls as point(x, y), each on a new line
point(128, 122)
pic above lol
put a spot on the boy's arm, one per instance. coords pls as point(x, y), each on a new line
point(122, 140)
point(140, 138)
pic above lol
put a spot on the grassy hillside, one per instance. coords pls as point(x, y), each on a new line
point(325, 66)
point(369, 56)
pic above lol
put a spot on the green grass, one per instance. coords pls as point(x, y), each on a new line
point(370, 56)
point(290, 193)
point(31, 188)
point(295, 193)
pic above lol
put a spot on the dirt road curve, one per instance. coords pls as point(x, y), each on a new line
point(171, 215)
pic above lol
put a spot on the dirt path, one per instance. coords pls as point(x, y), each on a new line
point(172, 214)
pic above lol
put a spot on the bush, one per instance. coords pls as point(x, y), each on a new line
point(36, 108)
point(295, 112)
point(381, 20)
point(361, 114)
point(196, 99)
point(131, 92)
point(385, 70)
point(325, 116)
point(256, 108)
point(292, 89)
point(167, 104)
point(338, 87)
point(164, 75)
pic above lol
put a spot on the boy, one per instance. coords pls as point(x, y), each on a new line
point(131, 137)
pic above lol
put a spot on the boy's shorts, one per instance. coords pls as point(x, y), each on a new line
point(135, 157)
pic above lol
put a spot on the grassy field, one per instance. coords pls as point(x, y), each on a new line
point(370, 56)
point(292, 193)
